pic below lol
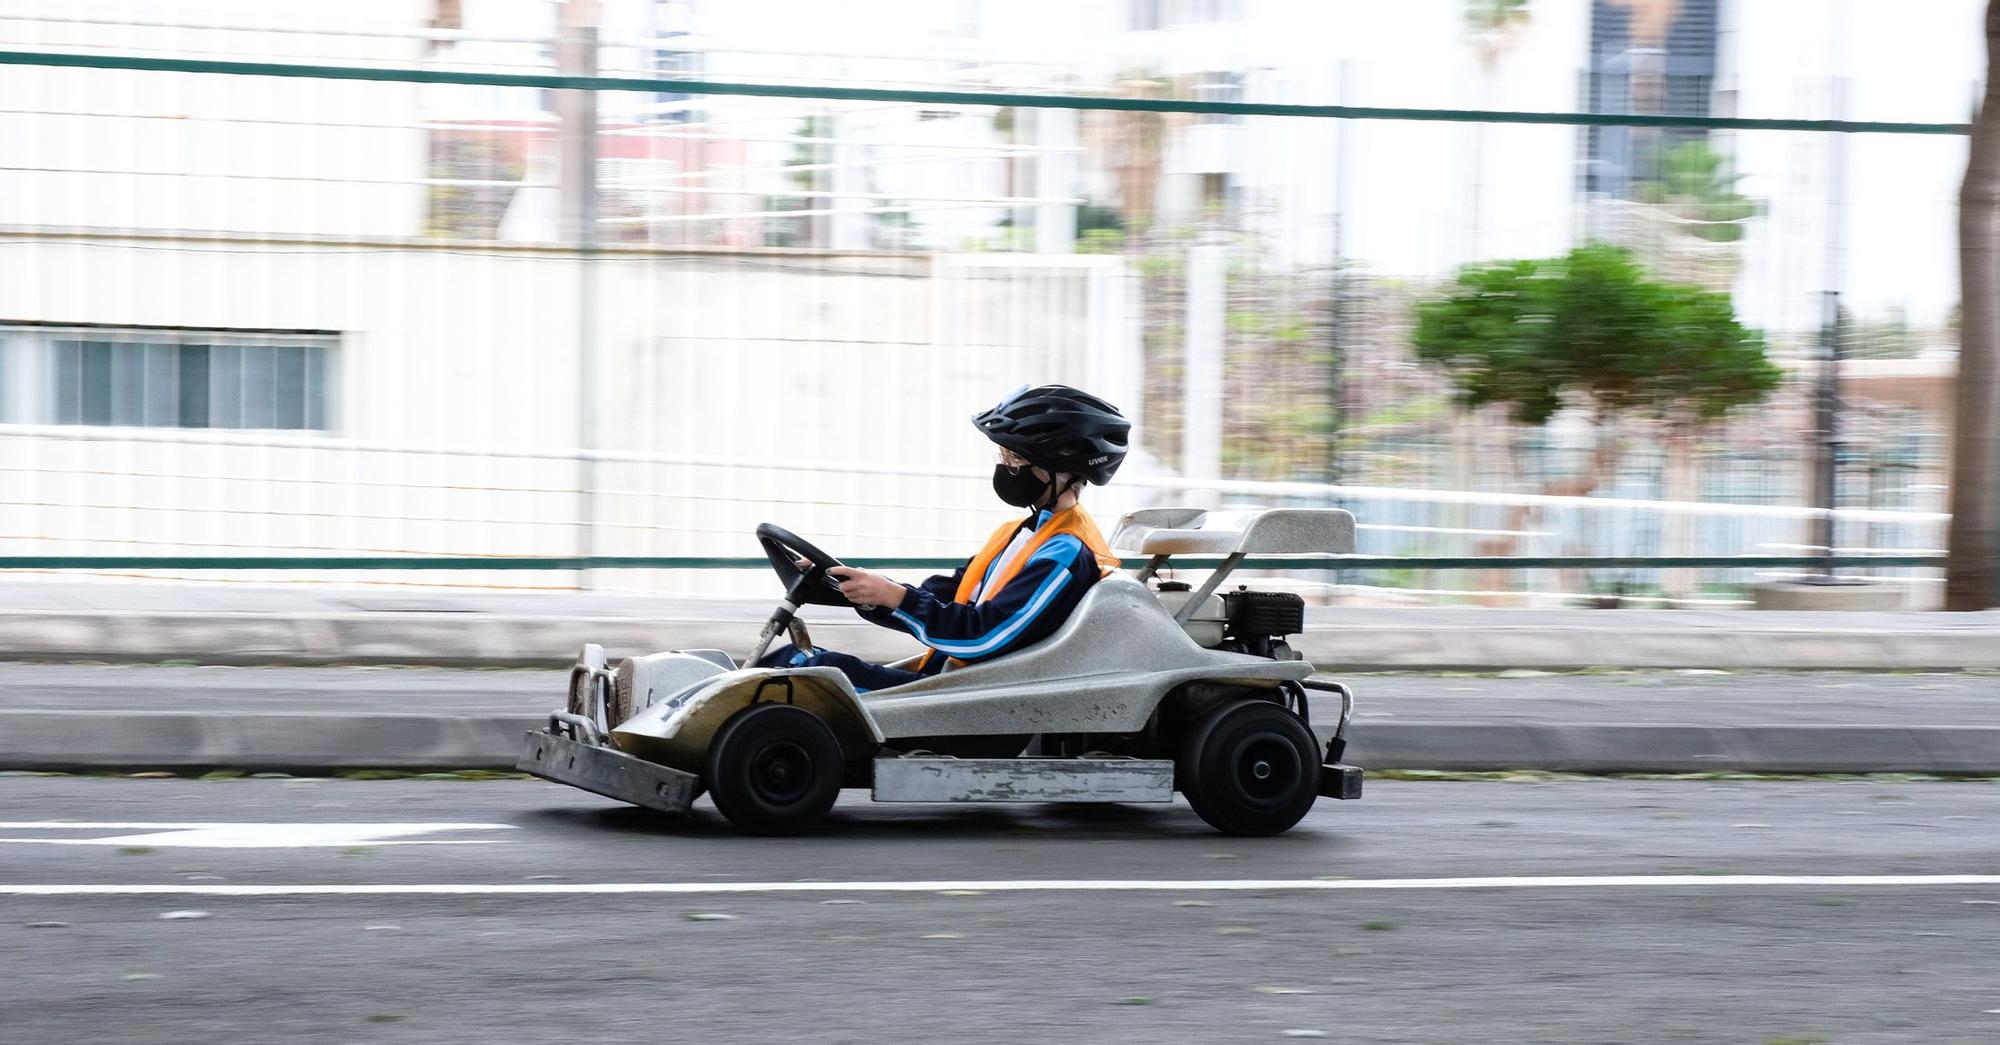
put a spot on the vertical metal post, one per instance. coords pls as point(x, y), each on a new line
point(1020, 174)
point(848, 225)
point(1055, 177)
point(1827, 408)
point(1201, 395)
point(1336, 376)
point(576, 111)
point(1132, 348)
point(824, 125)
point(1826, 421)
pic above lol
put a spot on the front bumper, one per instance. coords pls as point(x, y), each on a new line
point(604, 771)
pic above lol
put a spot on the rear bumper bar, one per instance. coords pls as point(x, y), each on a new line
point(1339, 780)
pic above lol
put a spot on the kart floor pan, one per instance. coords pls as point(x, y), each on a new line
point(610, 773)
point(1023, 780)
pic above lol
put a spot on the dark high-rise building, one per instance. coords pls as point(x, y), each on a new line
point(1673, 76)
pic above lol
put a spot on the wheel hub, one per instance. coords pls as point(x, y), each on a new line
point(1266, 767)
point(782, 772)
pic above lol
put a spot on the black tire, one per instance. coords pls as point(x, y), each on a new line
point(1250, 768)
point(774, 769)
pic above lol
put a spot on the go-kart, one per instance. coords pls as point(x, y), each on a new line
point(1146, 689)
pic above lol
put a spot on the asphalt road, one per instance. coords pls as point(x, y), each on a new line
point(1344, 946)
point(1629, 697)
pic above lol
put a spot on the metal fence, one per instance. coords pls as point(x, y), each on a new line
point(400, 306)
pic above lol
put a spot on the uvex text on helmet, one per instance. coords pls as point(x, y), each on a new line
point(1060, 429)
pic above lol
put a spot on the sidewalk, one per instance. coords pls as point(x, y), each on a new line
point(131, 717)
point(244, 624)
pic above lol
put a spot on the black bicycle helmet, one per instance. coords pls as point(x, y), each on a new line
point(1060, 429)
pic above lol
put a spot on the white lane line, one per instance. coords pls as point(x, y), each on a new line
point(204, 840)
point(156, 825)
point(249, 835)
point(1669, 881)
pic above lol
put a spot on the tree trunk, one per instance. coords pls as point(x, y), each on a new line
point(1683, 483)
point(1603, 468)
point(1975, 467)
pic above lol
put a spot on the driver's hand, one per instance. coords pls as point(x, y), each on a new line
point(868, 588)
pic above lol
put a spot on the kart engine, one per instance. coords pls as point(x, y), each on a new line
point(1241, 621)
point(1260, 620)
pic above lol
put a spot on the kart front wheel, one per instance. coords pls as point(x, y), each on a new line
point(1250, 768)
point(774, 769)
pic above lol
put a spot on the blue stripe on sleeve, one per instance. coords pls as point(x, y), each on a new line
point(1062, 550)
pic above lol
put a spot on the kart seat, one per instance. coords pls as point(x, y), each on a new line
point(1115, 654)
point(1272, 531)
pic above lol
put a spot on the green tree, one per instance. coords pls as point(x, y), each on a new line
point(1888, 337)
point(1695, 183)
point(1099, 229)
point(1591, 328)
point(470, 211)
point(1492, 24)
point(807, 152)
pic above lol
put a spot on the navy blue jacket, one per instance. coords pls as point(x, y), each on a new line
point(1028, 609)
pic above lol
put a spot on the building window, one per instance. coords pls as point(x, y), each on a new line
point(674, 106)
point(1671, 75)
point(1199, 12)
point(166, 378)
point(671, 24)
point(1219, 87)
point(1146, 15)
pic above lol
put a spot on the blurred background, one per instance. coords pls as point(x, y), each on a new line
point(327, 315)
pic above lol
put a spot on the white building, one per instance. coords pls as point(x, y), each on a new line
point(225, 330)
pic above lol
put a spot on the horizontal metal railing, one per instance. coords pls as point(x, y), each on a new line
point(395, 74)
point(683, 562)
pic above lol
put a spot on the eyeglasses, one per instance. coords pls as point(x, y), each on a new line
point(1012, 460)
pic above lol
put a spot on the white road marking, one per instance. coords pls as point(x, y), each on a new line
point(248, 836)
point(1664, 881)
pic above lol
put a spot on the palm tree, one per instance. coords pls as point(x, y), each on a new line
point(1696, 184)
point(1687, 220)
point(1492, 26)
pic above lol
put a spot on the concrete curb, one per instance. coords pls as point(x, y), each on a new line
point(1601, 748)
point(1486, 648)
point(307, 742)
point(492, 640)
point(471, 640)
point(317, 742)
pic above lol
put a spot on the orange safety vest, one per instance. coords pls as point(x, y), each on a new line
point(1074, 521)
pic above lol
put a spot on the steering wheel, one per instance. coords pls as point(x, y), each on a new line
point(812, 585)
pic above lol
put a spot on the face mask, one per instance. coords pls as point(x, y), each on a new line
point(1017, 487)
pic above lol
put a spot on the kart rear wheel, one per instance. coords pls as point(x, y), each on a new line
point(774, 769)
point(1250, 768)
